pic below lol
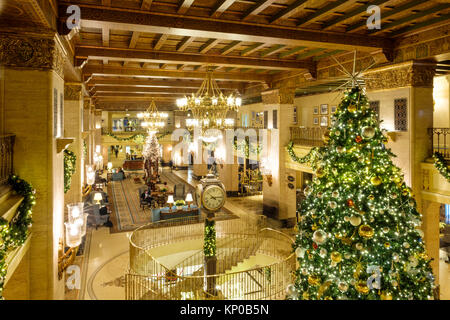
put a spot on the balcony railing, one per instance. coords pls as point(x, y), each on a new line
point(311, 137)
point(440, 141)
point(6, 157)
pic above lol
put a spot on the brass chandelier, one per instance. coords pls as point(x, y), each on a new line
point(209, 106)
point(153, 119)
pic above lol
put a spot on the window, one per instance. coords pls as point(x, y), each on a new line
point(266, 119)
point(375, 106)
point(400, 114)
point(275, 119)
point(295, 115)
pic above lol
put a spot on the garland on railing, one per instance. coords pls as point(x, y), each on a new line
point(311, 157)
point(15, 233)
point(441, 166)
point(85, 149)
point(209, 245)
point(244, 146)
point(137, 137)
point(70, 160)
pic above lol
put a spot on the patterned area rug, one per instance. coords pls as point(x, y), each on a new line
point(126, 213)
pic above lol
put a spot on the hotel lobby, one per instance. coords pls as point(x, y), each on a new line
point(225, 150)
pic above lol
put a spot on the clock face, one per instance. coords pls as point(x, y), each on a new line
point(213, 198)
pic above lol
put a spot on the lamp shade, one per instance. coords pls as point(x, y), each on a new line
point(170, 199)
point(189, 198)
point(73, 234)
point(98, 196)
point(75, 211)
point(110, 165)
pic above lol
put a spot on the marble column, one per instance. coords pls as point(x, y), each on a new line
point(430, 227)
point(32, 98)
point(278, 200)
point(73, 108)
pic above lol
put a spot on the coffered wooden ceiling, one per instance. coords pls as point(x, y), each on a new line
point(133, 50)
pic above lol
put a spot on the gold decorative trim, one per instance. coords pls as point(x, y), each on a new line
point(279, 96)
point(31, 52)
point(72, 92)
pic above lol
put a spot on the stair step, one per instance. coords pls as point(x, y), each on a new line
point(5, 191)
point(9, 205)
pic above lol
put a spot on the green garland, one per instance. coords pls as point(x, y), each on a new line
point(441, 166)
point(138, 138)
point(15, 233)
point(245, 147)
point(310, 158)
point(70, 160)
point(209, 245)
point(85, 149)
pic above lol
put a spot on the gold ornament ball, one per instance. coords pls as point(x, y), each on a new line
point(366, 231)
point(336, 256)
point(368, 132)
point(320, 173)
point(361, 287)
point(376, 181)
point(351, 108)
point(386, 296)
point(326, 137)
point(355, 221)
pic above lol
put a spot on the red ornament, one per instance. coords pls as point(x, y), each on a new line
point(358, 139)
point(350, 203)
point(315, 246)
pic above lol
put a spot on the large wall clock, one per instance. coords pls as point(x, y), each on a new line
point(211, 194)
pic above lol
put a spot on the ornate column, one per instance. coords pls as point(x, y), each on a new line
point(33, 96)
point(279, 201)
point(73, 109)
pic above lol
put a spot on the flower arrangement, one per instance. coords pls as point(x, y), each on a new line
point(180, 203)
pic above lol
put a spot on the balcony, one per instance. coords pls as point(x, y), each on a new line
point(440, 141)
point(309, 137)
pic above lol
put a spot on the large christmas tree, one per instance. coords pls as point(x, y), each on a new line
point(358, 231)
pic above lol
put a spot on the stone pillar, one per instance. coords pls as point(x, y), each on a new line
point(278, 200)
point(32, 97)
point(430, 227)
point(73, 111)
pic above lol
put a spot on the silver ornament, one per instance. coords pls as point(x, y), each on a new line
point(332, 204)
point(319, 237)
point(355, 221)
point(368, 132)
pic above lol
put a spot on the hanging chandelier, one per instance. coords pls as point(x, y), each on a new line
point(209, 106)
point(153, 119)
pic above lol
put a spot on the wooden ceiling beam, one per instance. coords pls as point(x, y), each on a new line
point(106, 3)
point(444, 18)
point(158, 83)
point(257, 8)
point(100, 70)
point(252, 49)
point(151, 22)
point(272, 50)
point(289, 11)
point(387, 14)
point(208, 45)
point(160, 41)
point(220, 7)
point(105, 36)
point(230, 47)
point(144, 90)
point(313, 17)
point(291, 52)
point(134, 40)
point(186, 42)
point(359, 10)
point(184, 6)
point(99, 53)
point(411, 17)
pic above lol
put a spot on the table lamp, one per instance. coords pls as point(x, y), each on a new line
point(170, 201)
point(189, 200)
point(98, 197)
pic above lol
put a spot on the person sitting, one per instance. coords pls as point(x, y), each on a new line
point(146, 196)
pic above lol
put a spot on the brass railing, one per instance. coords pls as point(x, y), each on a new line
point(237, 240)
point(312, 137)
point(6, 157)
point(440, 141)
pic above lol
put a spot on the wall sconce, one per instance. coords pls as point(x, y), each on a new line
point(74, 229)
point(90, 174)
point(169, 148)
point(110, 166)
point(268, 179)
point(266, 172)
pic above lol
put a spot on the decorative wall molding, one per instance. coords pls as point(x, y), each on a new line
point(31, 52)
point(72, 92)
point(278, 96)
point(410, 74)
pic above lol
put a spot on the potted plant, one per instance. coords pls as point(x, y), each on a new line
point(163, 189)
point(180, 204)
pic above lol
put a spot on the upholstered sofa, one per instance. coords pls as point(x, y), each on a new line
point(165, 214)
